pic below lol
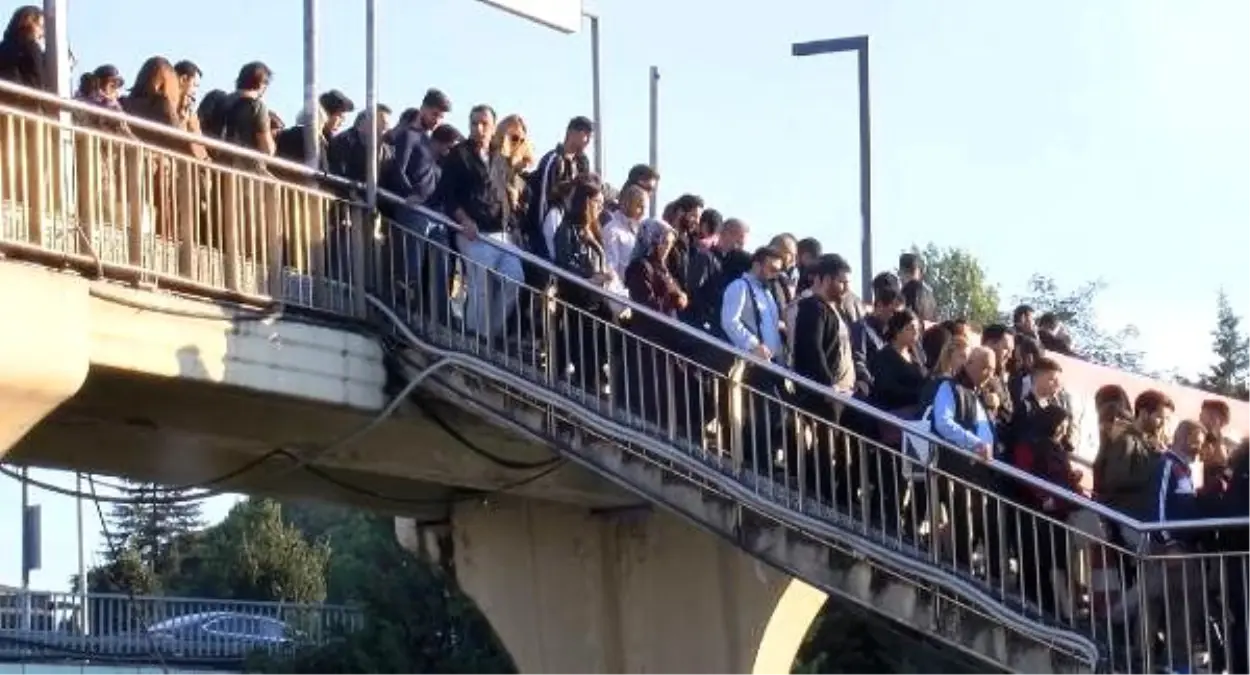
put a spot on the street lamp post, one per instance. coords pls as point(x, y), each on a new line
point(596, 102)
point(654, 105)
point(859, 45)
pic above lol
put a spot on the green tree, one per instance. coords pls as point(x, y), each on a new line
point(1076, 310)
point(1228, 376)
point(960, 287)
point(253, 555)
point(154, 530)
point(416, 618)
point(126, 572)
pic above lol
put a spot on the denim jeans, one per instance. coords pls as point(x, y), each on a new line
point(494, 276)
point(422, 263)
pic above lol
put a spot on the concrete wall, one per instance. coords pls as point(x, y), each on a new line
point(59, 326)
point(568, 590)
point(44, 346)
point(206, 342)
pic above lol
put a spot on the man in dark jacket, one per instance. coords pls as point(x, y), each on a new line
point(560, 165)
point(1126, 462)
point(349, 151)
point(916, 293)
point(707, 276)
point(868, 335)
point(822, 353)
point(1002, 341)
point(474, 192)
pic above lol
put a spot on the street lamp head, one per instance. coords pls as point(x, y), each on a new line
point(846, 44)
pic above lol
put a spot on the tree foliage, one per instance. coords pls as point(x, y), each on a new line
point(155, 531)
point(416, 618)
point(960, 286)
point(1228, 375)
point(254, 555)
point(1075, 308)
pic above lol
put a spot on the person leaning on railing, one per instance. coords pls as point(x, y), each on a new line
point(651, 373)
point(1174, 583)
point(1040, 450)
point(960, 419)
point(588, 332)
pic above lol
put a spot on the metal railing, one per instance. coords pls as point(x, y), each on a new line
point(139, 212)
point(78, 187)
point(116, 627)
point(1056, 573)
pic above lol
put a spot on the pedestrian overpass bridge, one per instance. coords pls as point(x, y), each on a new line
point(191, 324)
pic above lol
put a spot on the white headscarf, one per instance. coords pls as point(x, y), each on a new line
point(650, 234)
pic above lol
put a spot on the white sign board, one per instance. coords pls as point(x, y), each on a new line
point(562, 15)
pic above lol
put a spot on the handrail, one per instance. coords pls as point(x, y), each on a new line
point(730, 487)
point(636, 308)
point(710, 341)
point(216, 144)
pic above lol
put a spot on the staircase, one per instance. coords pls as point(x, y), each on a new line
point(770, 515)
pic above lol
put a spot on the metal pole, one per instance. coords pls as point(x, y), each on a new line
point(655, 130)
point(26, 535)
point(56, 54)
point(596, 102)
point(865, 173)
point(371, 103)
point(84, 622)
point(312, 135)
point(57, 65)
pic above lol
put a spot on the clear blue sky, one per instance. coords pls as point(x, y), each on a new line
point(1078, 138)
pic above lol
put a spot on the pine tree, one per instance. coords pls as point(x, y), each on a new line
point(1232, 350)
point(153, 529)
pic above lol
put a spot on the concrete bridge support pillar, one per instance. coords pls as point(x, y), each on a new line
point(568, 591)
point(44, 345)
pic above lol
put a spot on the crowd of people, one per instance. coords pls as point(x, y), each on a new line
point(996, 397)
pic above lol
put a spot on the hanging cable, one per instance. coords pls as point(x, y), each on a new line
point(130, 593)
point(455, 499)
point(459, 437)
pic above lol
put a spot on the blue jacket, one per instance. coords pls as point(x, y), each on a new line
point(749, 316)
point(413, 173)
point(1173, 498)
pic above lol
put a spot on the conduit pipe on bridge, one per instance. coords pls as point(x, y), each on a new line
point(1076, 643)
